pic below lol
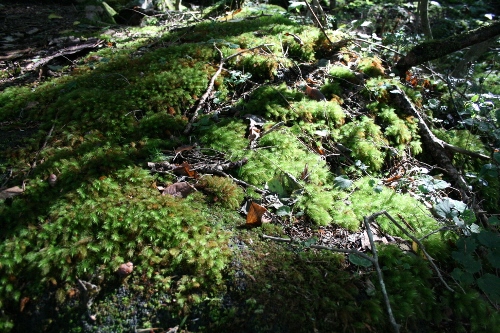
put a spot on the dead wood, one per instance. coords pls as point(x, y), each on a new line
point(434, 49)
point(439, 152)
point(92, 43)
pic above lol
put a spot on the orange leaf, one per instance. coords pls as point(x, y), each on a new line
point(256, 215)
point(23, 303)
point(185, 170)
point(315, 94)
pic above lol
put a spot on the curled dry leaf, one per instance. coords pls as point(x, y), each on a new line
point(185, 170)
point(257, 215)
point(314, 94)
point(23, 303)
point(125, 269)
point(184, 148)
point(52, 180)
point(296, 38)
point(10, 192)
point(182, 189)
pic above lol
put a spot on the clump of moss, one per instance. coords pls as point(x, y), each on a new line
point(116, 218)
point(369, 198)
point(222, 191)
point(371, 66)
point(401, 132)
point(326, 112)
point(273, 102)
point(366, 141)
point(343, 74)
point(332, 89)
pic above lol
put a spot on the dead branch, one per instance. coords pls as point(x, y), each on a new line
point(207, 93)
point(316, 19)
point(374, 260)
point(434, 49)
point(246, 50)
point(437, 148)
point(91, 44)
point(420, 245)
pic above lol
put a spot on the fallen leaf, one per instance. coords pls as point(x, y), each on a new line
point(184, 148)
point(257, 215)
point(229, 15)
point(315, 94)
point(185, 170)
point(296, 38)
point(254, 134)
point(54, 16)
point(10, 192)
point(23, 303)
point(182, 189)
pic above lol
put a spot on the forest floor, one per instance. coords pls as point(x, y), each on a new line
point(236, 160)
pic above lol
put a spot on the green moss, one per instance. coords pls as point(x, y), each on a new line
point(368, 199)
point(342, 73)
point(371, 66)
point(402, 132)
point(222, 191)
point(114, 219)
point(272, 102)
point(366, 140)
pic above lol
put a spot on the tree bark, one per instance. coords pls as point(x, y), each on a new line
point(424, 18)
point(435, 49)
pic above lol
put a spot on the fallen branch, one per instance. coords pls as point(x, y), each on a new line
point(373, 259)
point(438, 150)
point(435, 49)
point(316, 19)
point(420, 245)
point(91, 44)
point(207, 93)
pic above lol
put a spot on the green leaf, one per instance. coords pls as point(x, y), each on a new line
point(494, 258)
point(489, 239)
point(490, 285)
point(310, 241)
point(496, 157)
point(54, 16)
point(449, 208)
point(462, 276)
point(467, 245)
point(359, 261)
point(342, 182)
point(470, 264)
point(494, 220)
point(283, 211)
point(474, 98)
point(489, 170)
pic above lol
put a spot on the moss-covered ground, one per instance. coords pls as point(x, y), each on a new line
point(91, 201)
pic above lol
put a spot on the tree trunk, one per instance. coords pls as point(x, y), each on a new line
point(424, 18)
point(435, 49)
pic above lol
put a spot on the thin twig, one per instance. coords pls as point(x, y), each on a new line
point(244, 51)
point(367, 221)
point(321, 247)
point(373, 260)
point(421, 246)
point(318, 22)
point(207, 93)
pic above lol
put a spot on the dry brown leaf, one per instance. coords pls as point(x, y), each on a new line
point(10, 192)
point(182, 189)
point(23, 303)
point(257, 215)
